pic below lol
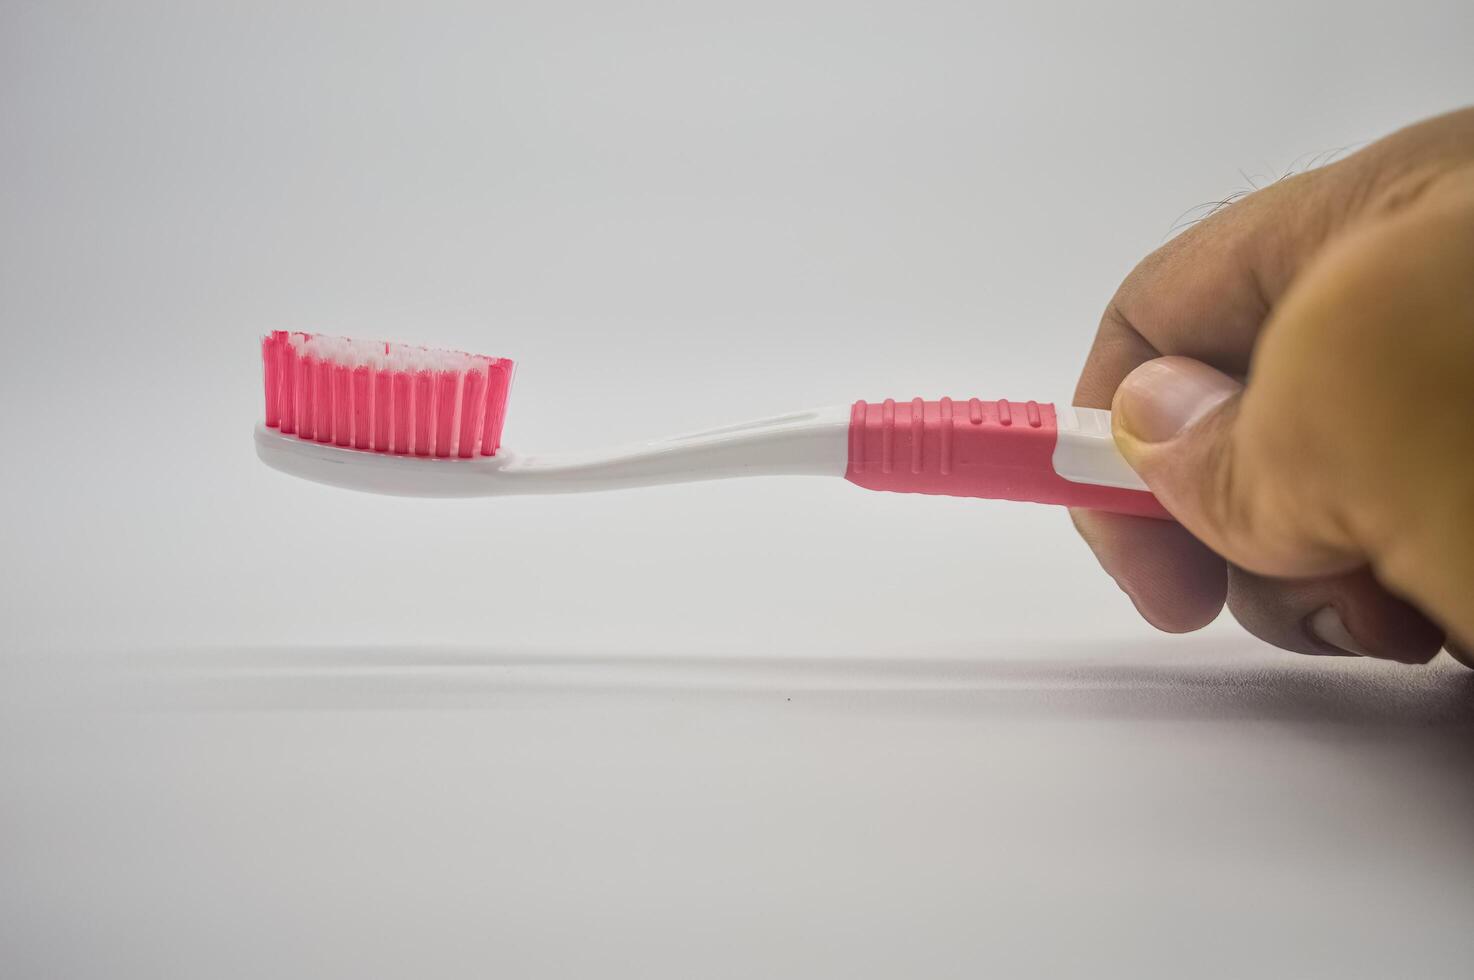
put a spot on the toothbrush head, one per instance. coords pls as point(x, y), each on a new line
point(383, 397)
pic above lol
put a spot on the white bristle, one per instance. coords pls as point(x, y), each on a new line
point(399, 357)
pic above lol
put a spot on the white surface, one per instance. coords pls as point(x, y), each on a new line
point(672, 215)
point(1053, 810)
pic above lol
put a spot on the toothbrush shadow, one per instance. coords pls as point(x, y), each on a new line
point(1064, 681)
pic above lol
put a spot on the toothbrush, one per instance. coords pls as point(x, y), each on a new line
point(411, 421)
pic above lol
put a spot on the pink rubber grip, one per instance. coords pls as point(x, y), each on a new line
point(998, 450)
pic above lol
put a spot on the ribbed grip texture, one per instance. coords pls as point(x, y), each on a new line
point(1001, 450)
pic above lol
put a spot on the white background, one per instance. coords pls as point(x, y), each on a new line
point(673, 215)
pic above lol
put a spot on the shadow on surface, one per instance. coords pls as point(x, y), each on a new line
point(1177, 681)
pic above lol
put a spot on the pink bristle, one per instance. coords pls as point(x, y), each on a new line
point(447, 384)
point(471, 410)
point(498, 382)
point(403, 410)
point(363, 388)
point(287, 396)
point(384, 397)
point(383, 404)
point(306, 410)
point(342, 405)
point(271, 354)
point(322, 400)
point(424, 395)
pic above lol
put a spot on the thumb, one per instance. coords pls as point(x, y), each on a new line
point(1182, 425)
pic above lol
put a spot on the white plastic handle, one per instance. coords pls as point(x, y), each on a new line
point(1085, 451)
point(811, 443)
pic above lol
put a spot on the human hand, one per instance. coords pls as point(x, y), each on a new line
point(1329, 497)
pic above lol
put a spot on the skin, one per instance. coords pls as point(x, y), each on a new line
point(1341, 471)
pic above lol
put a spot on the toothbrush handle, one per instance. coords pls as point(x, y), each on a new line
point(1000, 450)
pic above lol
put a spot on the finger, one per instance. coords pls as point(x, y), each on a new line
point(1175, 582)
point(1344, 615)
point(1177, 422)
point(1460, 653)
point(1172, 579)
point(1186, 410)
point(1206, 293)
point(1186, 413)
